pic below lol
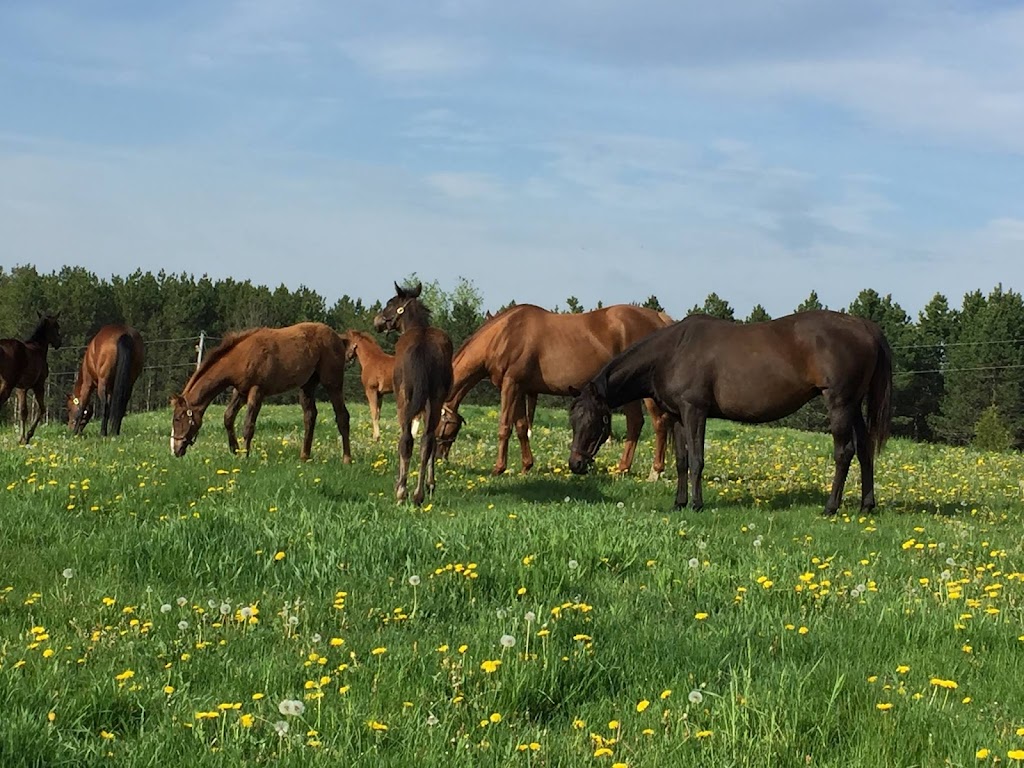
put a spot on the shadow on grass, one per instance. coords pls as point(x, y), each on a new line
point(547, 490)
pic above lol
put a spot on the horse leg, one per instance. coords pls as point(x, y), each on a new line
point(506, 418)
point(660, 421)
point(634, 424)
point(253, 403)
point(523, 424)
point(39, 390)
point(842, 429)
point(84, 403)
point(695, 423)
point(404, 455)
point(103, 395)
point(682, 464)
point(427, 445)
point(374, 397)
point(343, 420)
point(866, 458)
point(308, 403)
point(22, 398)
point(230, 414)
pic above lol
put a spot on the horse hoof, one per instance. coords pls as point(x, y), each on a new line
point(303, 457)
point(527, 467)
point(400, 495)
point(679, 506)
point(498, 471)
point(346, 459)
point(417, 498)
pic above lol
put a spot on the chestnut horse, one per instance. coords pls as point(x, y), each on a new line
point(23, 367)
point(376, 370)
point(258, 363)
point(704, 367)
point(526, 350)
point(111, 365)
point(422, 379)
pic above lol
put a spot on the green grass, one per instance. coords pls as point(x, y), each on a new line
point(791, 627)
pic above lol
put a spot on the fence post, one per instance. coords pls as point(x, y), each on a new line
point(199, 349)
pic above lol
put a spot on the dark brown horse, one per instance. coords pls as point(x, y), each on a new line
point(111, 365)
point(703, 367)
point(422, 378)
point(526, 350)
point(259, 363)
point(377, 368)
point(23, 367)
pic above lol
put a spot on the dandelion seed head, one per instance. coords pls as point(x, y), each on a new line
point(693, 562)
point(165, 608)
point(182, 625)
point(573, 565)
point(225, 609)
point(432, 720)
point(530, 617)
point(414, 580)
point(281, 727)
point(507, 641)
point(695, 697)
point(182, 602)
point(68, 573)
point(293, 621)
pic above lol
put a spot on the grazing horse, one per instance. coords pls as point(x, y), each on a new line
point(259, 363)
point(422, 378)
point(704, 367)
point(23, 367)
point(526, 350)
point(377, 368)
point(111, 365)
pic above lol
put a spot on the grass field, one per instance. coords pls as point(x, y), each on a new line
point(220, 610)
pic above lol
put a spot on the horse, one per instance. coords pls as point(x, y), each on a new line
point(526, 350)
point(110, 367)
point(23, 367)
point(422, 380)
point(705, 367)
point(258, 363)
point(377, 368)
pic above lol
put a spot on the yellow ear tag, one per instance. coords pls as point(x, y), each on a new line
point(189, 413)
point(400, 310)
point(75, 401)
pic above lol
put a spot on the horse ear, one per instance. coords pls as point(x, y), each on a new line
point(177, 400)
point(415, 292)
point(399, 291)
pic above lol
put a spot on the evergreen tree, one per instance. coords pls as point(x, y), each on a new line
point(811, 302)
point(715, 306)
point(758, 315)
point(653, 303)
point(573, 306)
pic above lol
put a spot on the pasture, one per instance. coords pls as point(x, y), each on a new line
point(216, 609)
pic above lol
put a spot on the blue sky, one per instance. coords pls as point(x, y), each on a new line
point(607, 150)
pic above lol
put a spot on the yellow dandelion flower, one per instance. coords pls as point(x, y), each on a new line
point(665, 694)
point(982, 753)
point(495, 717)
point(884, 706)
point(1015, 754)
point(490, 666)
point(379, 651)
point(126, 675)
point(602, 752)
point(642, 705)
point(902, 669)
point(700, 615)
point(279, 556)
point(703, 734)
point(613, 725)
point(246, 720)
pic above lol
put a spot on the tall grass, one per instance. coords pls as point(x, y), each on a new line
point(162, 611)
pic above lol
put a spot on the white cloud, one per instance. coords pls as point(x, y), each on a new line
point(412, 57)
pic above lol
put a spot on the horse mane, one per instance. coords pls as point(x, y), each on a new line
point(228, 343)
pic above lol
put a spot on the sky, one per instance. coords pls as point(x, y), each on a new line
point(540, 149)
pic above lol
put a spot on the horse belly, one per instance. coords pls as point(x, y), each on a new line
point(760, 398)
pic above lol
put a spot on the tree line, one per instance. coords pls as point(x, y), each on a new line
point(959, 372)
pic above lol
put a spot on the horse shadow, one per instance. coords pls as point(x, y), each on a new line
point(547, 490)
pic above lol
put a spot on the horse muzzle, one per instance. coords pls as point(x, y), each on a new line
point(578, 463)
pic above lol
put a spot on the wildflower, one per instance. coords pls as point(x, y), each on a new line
point(495, 717)
point(289, 707)
point(379, 651)
point(279, 556)
point(695, 697)
point(126, 675)
point(940, 683)
point(281, 727)
point(507, 641)
point(693, 562)
point(68, 573)
point(884, 706)
point(432, 720)
point(246, 720)
point(902, 669)
point(106, 735)
point(602, 752)
point(414, 580)
point(700, 615)
point(1015, 754)
point(703, 734)
point(578, 724)
point(490, 666)
point(573, 565)
point(182, 602)
point(377, 726)
point(530, 617)
point(165, 608)
point(613, 725)
point(168, 689)
point(665, 694)
point(642, 705)
point(982, 753)
point(336, 641)
point(182, 625)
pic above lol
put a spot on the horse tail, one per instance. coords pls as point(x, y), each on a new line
point(879, 421)
point(122, 382)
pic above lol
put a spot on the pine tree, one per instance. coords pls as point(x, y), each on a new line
point(715, 306)
point(758, 315)
point(811, 302)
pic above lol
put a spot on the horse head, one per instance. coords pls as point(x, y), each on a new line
point(591, 421)
point(79, 413)
point(185, 424)
point(48, 330)
point(396, 311)
point(448, 429)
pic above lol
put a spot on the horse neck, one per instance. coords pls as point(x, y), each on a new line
point(79, 380)
point(201, 389)
point(369, 352)
point(469, 368)
point(627, 377)
point(39, 337)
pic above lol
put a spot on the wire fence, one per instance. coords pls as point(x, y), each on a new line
point(185, 353)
